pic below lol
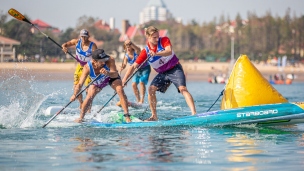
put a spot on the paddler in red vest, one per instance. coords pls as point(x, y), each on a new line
point(164, 61)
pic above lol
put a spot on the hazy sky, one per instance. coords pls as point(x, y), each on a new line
point(65, 13)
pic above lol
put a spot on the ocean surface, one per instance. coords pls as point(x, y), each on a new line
point(65, 145)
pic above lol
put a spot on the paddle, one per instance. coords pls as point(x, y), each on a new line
point(124, 84)
point(216, 99)
point(69, 102)
point(14, 13)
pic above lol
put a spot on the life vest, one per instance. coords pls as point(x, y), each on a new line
point(161, 63)
point(131, 61)
point(101, 79)
point(83, 56)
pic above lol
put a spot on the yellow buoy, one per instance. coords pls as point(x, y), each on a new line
point(247, 87)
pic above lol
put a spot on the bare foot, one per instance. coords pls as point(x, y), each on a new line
point(128, 119)
point(78, 120)
point(151, 119)
point(118, 104)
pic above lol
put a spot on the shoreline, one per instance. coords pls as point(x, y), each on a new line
point(195, 71)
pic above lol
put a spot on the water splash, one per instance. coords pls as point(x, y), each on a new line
point(19, 103)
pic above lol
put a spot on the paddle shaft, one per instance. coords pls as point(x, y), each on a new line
point(124, 84)
point(53, 41)
point(69, 102)
point(216, 99)
point(14, 13)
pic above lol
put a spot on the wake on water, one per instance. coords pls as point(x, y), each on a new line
point(20, 107)
point(18, 103)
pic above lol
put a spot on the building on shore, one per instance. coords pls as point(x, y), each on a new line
point(7, 49)
point(155, 10)
point(43, 26)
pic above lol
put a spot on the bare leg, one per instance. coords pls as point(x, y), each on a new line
point(136, 91)
point(188, 98)
point(117, 86)
point(79, 98)
point(142, 92)
point(152, 102)
point(92, 91)
point(89, 109)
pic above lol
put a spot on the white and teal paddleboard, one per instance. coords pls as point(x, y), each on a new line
point(269, 114)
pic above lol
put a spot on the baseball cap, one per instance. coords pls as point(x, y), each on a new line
point(100, 54)
point(84, 33)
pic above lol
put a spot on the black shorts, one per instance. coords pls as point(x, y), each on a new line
point(113, 79)
point(175, 75)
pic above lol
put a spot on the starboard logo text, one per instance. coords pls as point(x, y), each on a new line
point(257, 113)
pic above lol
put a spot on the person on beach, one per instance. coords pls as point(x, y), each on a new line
point(103, 66)
point(84, 49)
point(142, 75)
point(164, 61)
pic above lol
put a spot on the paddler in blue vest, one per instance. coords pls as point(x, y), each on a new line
point(142, 75)
point(164, 61)
point(104, 65)
point(84, 49)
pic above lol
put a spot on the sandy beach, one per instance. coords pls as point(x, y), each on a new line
point(195, 71)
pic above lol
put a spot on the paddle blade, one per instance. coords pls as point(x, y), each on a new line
point(16, 14)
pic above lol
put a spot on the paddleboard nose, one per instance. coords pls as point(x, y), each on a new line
point(300, 104)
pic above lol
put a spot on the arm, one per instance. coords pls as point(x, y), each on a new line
point(85, 73)
point(124, 63)
point(70, 43)
point(113, 71)
point(165, 41)
point(136, 48)
point(130, 70)
point(166, 52)
point(94, 47)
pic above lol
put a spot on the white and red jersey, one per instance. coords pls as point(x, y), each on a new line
point(159, 63)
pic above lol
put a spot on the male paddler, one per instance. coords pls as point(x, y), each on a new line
point(101, 66)
point(84, 49)
point(164, 61)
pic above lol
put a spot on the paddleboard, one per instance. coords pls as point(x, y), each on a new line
point(269, 114)
point(52, 110)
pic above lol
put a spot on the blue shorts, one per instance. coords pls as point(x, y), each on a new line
point(175, 75)
point(142, 75)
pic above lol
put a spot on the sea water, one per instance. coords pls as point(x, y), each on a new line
point(66, 145)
